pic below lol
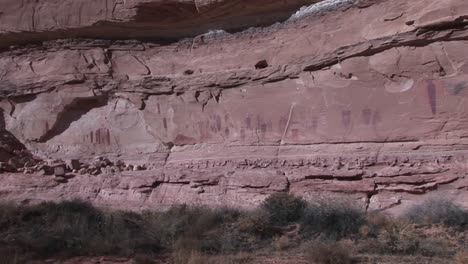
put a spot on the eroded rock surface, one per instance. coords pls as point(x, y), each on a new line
point(365, 102)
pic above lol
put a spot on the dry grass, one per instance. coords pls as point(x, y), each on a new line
point(439, 211)
point(282, 243)
point(333, 220)
point(283, 208)
point(400, 237)
point(329, 253)
point(12, 256)
point(256, 224)
point(201, 235)
point(72, 229)
point(461, 257)
point(190, 257)
point(144, 259)
point(196, 257)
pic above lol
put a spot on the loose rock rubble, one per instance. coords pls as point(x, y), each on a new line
point(14, 157)
point(61, 168)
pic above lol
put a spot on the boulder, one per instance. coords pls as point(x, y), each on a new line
point(73, 164)
point(60, 170)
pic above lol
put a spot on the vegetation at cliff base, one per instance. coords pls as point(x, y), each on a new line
point(325, 231)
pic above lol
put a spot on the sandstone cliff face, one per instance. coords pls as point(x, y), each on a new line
point(366, 102)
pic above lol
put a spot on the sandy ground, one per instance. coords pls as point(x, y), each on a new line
point(277, 258)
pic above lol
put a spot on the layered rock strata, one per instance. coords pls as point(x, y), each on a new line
point(366, 102)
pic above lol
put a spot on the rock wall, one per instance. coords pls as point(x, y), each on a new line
point(365, 102)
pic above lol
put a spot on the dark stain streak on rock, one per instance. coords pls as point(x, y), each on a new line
point(248, 122)
point(366, 116)
point(431, 93)
point(346, 118)
point(98, 136)
point(270, 126)
point(295, 133)
point(376, 118)
point(313, 124)
point(263, 128)
point(282, 123)
point(458, 88)
point(165, 123)
point(218, 123)
point(108, 137)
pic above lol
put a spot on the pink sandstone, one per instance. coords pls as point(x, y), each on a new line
point(366, 103)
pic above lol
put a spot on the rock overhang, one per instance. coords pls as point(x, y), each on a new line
point(162, 21)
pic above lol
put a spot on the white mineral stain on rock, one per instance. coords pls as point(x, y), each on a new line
point(399, 85)
point(322, 7)
point(300, 84)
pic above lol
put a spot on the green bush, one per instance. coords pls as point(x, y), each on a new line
point(439, 211)
point(333, 220)
point(283, 208)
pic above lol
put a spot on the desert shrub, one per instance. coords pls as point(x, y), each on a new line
point(400, 237)
point(222, 240)
point(126, 233)
point(173, 222)
point(252, 231)
point(74, 228)
point(461, 257)
point(256, 223)
point(439, 211)
point(249, 231)
point(397, 237)
point(328, 253)
point(434, 247)
point(13, 256)
point(198, 229)
point(189, 221)
point(187, 229)
point(282, 243)
point(374, 223)
point(283, 208)
point(333, 220)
